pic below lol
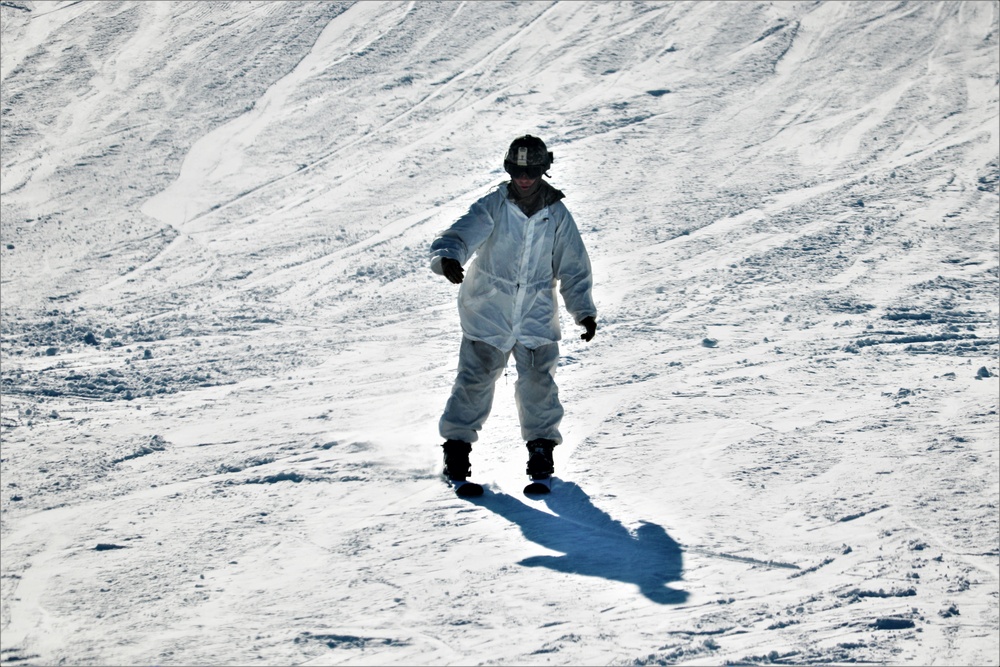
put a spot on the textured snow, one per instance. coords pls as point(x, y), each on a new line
point(224, 355)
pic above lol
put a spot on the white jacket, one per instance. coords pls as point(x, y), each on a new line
point(508, 294)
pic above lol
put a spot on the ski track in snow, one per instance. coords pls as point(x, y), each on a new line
point(224, 355)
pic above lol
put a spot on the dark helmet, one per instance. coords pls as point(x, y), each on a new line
point(528, 155)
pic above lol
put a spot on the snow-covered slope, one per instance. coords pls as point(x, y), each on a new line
point(224, 356)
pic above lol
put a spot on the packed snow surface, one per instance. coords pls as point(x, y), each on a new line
point(224, 355)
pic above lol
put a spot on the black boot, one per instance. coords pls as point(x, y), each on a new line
point(540, 465)
point(457, 467)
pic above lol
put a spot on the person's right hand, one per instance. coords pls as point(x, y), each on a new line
point(452, 270)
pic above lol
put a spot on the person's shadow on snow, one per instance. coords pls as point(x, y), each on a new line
point(593, 543)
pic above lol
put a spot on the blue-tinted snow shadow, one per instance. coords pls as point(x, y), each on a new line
point(594, 544)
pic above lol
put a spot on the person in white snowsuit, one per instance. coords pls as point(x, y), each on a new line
point(525, 242)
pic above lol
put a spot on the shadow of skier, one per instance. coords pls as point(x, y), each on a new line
point(593, 543)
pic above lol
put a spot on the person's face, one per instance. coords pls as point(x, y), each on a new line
point(524, 178)
point(524, 182)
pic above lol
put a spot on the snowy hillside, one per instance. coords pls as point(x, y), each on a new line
point(224, 355)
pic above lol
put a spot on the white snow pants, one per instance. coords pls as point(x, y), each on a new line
point(480, 365)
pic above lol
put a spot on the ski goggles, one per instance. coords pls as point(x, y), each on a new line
point(530, 171)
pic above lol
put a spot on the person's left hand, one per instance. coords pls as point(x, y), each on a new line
point(591, 328)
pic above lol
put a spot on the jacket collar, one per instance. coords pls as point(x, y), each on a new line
point(544, 195)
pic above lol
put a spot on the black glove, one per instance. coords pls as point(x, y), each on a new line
point(452, 270)
point(590, 325)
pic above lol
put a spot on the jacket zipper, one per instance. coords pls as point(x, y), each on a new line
point(529, 237)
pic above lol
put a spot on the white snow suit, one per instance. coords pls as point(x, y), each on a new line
point(507, 302)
